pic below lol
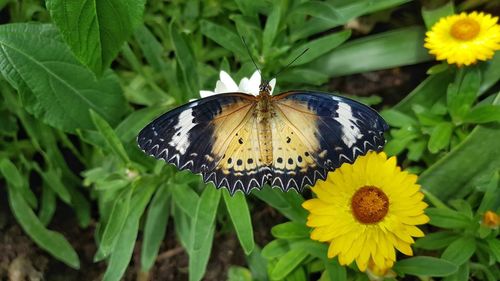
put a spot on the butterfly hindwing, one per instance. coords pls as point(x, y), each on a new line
point(241, 166)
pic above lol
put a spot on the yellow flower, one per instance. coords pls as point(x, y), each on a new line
point(365, 210)
point(464, 39)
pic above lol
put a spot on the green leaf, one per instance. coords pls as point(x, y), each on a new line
point(272, 24)
point(239, 273)
point(460, 250)
point(155, 227)
point(186, 60)
point(425, 266)
point(205, 216)
point(53, 180)
point(440, 137)
point(279, 200)
point(327, 15)
point(275, 248)
point(114, 143)
point(483, 114)
point(491, 194)
point(14, 178)
point(48, 205)
point(432, 16)
point(336, 272)
point(224, 37)
point(96, 30)
point(63, 90)
point(317, 47)
point(130, 127)
point(462, 92)
point(490, 73)
point(237, 208)
point(198, 259)
point(152, 49)
point(287, 263)
point(447, 218)
point(124, 248)
point(494, 247)
point(455, 174)
point(115, 223)
point(257, 264)
point(290, 230)
point(51, 241)
point(398, 119)
point(436, 240)
point(184, 197)
point(427, 93)
point(11, 173)
point(380, 51)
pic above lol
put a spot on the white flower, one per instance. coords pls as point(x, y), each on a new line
point(226, 84)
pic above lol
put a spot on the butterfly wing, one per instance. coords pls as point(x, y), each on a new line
point(241, 166)
point(314, 133)
point(195, 136)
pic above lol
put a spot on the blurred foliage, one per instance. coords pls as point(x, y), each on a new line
point(81, 79)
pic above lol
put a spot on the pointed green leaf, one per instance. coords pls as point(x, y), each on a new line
point(205, 216)
point(440, 137)
point(425, 266)
point(155, 227)
point(483, 114)
point(447, 218)
point(288, 262)
point(290, 230)
point(237, 208)
point(460, 250)
point(114, 143)
point(51, 241)
point(116, 221)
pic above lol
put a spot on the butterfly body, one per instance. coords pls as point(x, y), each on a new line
point(242, 141)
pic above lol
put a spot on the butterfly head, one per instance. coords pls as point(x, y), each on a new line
point(265, 88)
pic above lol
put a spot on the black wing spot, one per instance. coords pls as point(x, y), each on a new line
point(250, 161)
point(239, 162)
point(299, 158)
point(280, 160)
point(290, 161)
point(288, 139)
point(230, 160)
point(306, 154)
point(240, 141)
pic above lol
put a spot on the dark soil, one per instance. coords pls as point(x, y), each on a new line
point(21, 259)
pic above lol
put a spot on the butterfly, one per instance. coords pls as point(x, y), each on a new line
point(241, 141)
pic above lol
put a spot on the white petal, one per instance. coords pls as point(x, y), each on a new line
point(245, 86)
point(204, 94)
point(254, 83)
point(272, 84)
point(225, 84)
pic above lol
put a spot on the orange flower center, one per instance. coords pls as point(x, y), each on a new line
point(369, 204)
point(465, 29)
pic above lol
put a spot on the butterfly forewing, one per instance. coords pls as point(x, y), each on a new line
point(337, 129)
point(194, 136)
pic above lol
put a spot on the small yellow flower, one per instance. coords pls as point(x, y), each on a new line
point(464, 39)
point(365, 210)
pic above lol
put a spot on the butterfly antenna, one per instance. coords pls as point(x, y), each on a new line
point(290, 63)
point(250, 55)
